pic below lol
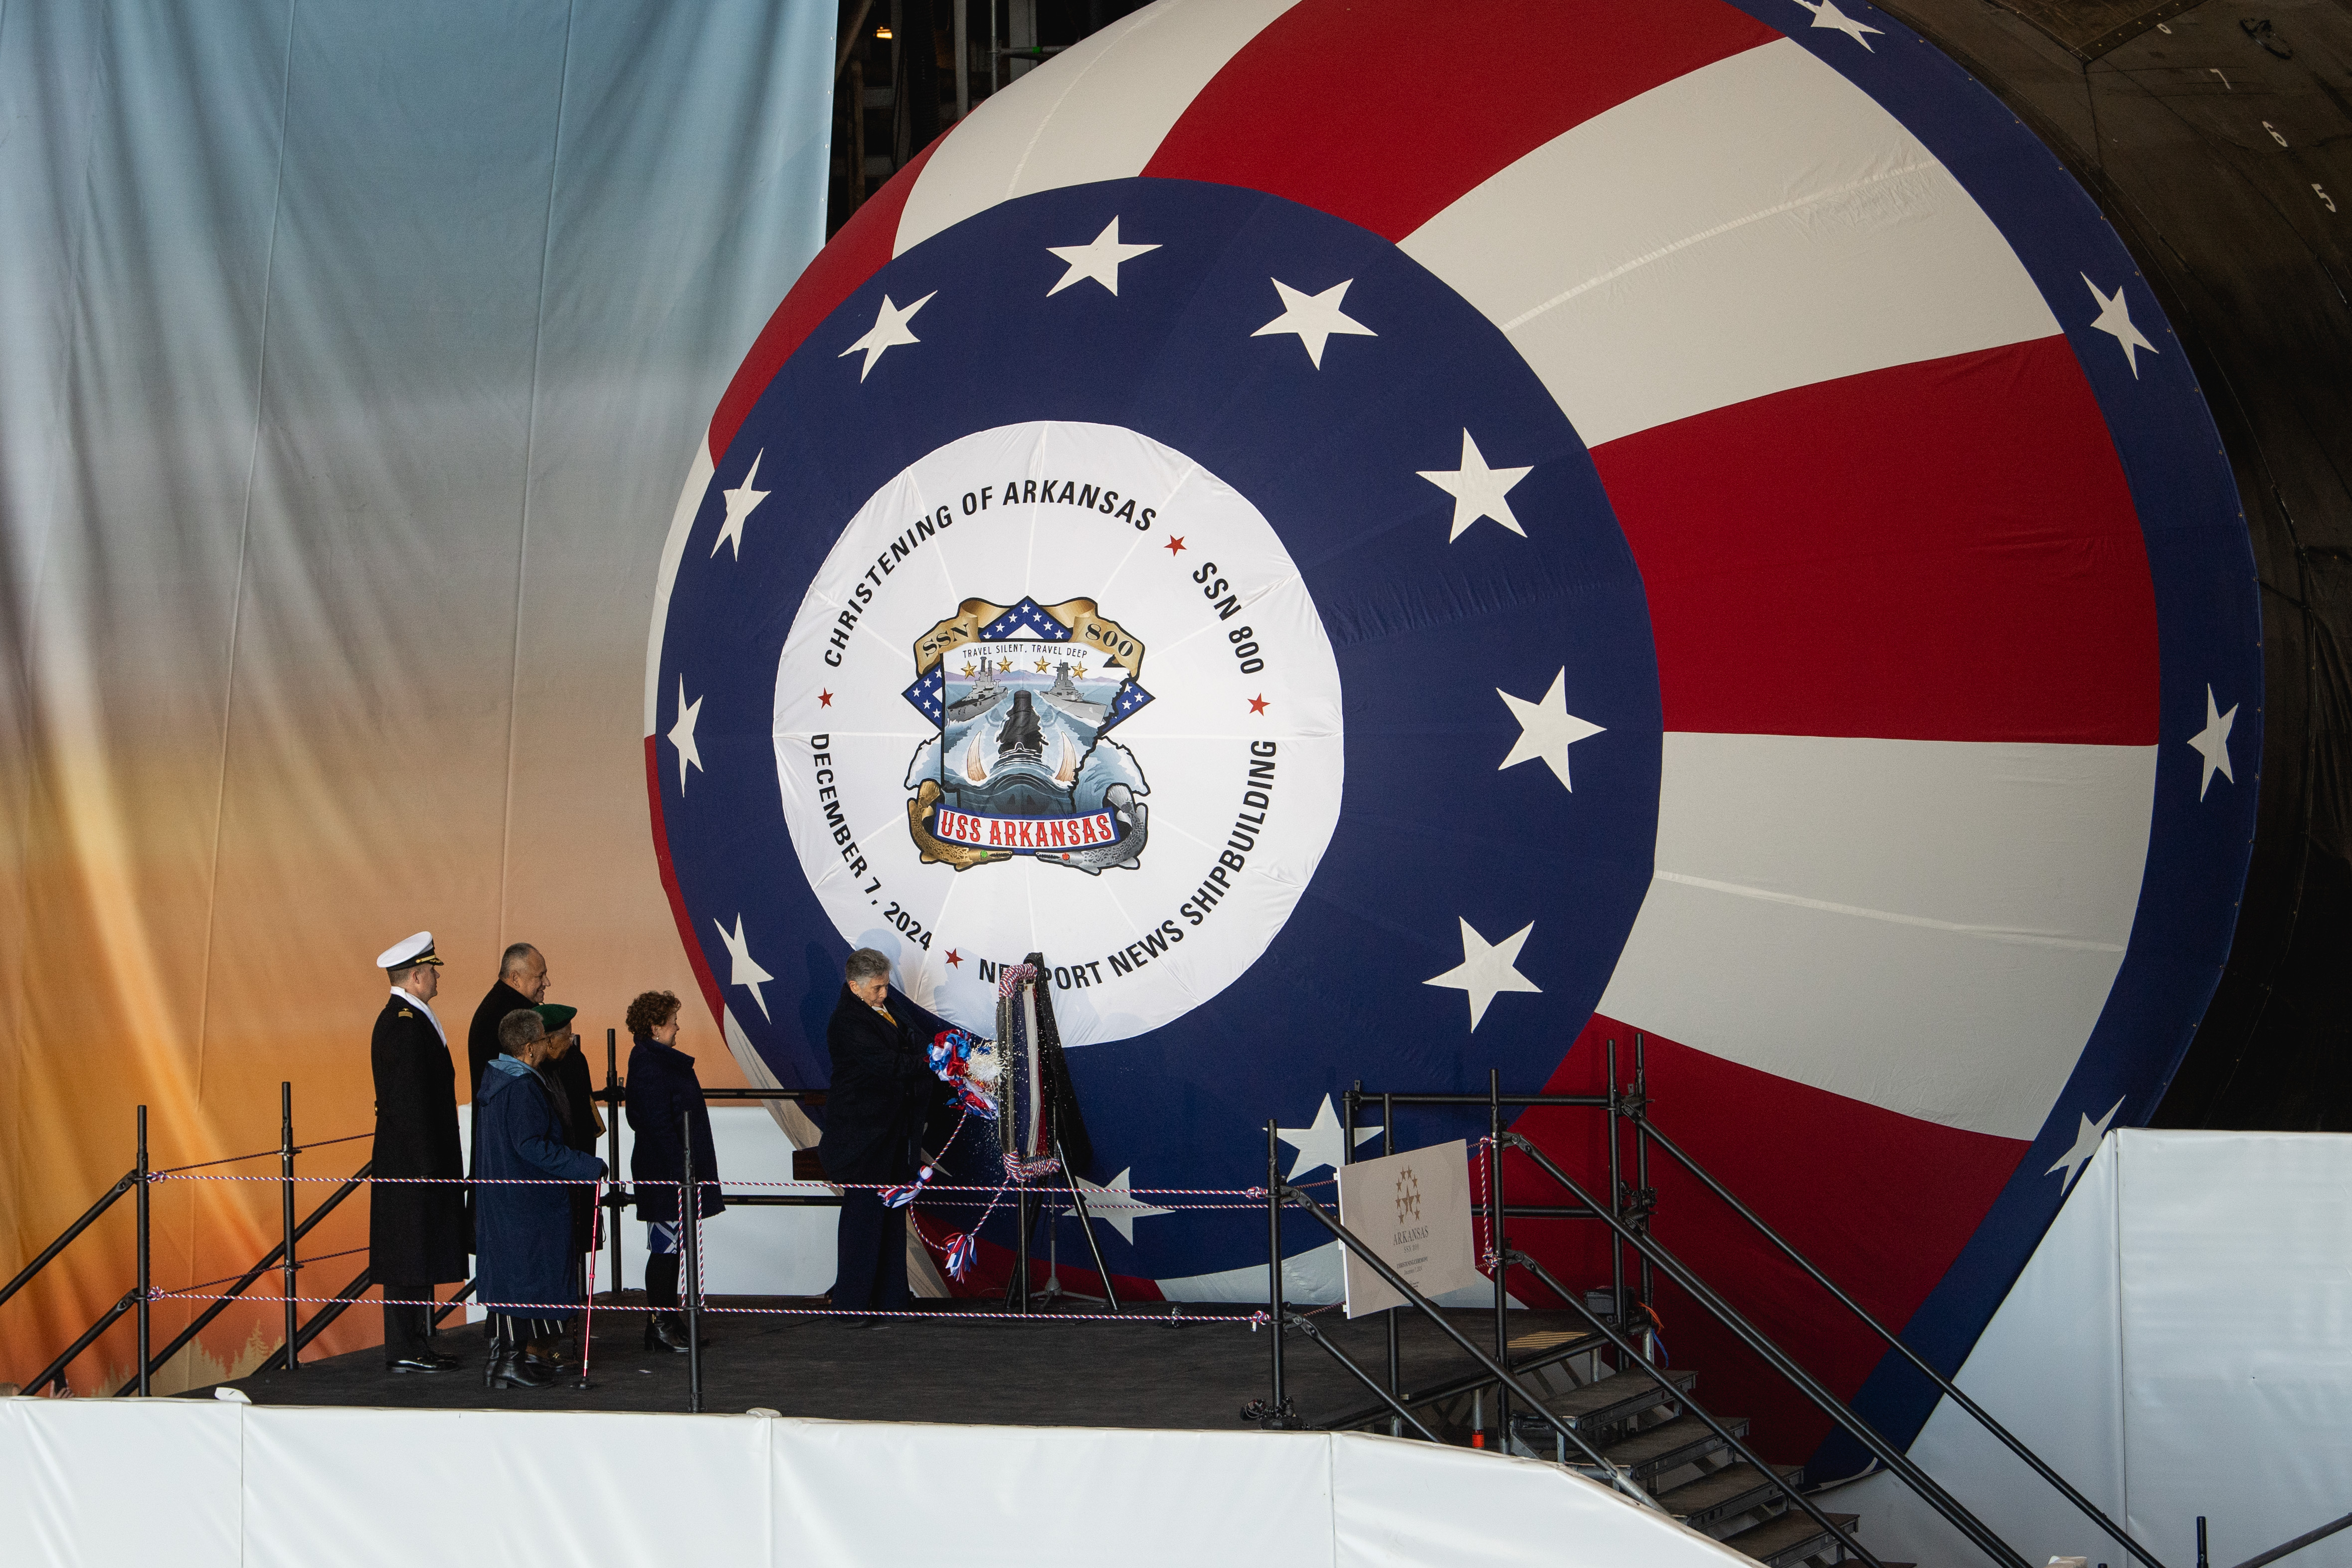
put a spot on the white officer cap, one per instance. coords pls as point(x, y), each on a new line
point(408, 952)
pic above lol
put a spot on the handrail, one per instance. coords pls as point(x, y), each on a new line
point(1453, 1387)
point(1645, 1128)
point(335, 1308)
point(53, 1375)
point(1919, 1482)
point(1308, 1327)
point(2297, 1545)
point(1397, 1282)
point(221, 1304)
point(453, 1303)
point(25, 1275)
point(1634, 1360)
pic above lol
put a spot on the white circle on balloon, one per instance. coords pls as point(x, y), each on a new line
point(1058, 689)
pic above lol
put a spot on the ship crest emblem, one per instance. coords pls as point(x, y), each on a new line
point(1022, 698)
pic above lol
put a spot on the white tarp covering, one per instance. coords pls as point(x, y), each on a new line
point(195, 1484)
point(2180, 1344)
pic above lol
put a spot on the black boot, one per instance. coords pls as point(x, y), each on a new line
point(515, 1369)
point(665, 1330)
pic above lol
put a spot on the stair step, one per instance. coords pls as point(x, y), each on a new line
point(1726, 1493)
point(1654, 1450)
point(1542, 1341)
point(1606, 1401)
point(1788, 1539)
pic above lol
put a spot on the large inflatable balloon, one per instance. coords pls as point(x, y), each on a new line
point(1389, 544)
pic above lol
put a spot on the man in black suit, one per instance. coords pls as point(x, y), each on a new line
point(875, 1107)
point(416, 1229)
point(521, 983)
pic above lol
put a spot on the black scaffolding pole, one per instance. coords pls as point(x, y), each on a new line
point(689, 1225)
point(286, 1221)
point(145, 1230)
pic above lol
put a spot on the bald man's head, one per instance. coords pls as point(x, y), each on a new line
point(522, 968)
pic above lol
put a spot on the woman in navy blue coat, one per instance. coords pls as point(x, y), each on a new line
point(662, 1087)
point(522, 1234)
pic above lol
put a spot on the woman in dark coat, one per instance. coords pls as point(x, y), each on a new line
point(662, 1088)
point(522, 1234)
point(874, 1108)
point(566, 1072)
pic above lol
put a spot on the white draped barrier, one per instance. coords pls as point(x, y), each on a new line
point(205, 1485)
point(2180, 1344)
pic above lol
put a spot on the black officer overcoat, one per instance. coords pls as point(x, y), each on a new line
point(416, 1233)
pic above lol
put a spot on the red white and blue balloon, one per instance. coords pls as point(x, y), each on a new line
point(1390, 543)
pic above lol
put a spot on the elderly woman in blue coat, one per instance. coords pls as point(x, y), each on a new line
point(522, 1233)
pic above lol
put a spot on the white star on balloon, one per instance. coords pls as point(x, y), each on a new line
point(2115, 320)
point(1114, 1206)
point(740, 503)
point(1547, 729)
point(2086, 1144)
point(1099, 259)
point(1477, 490)
point(1827, 15)
point(890, 331)
point(2212, 743)
point(1322, 1144)
point(1315, 318)
point(745, 973)
point(681, 734)
point(1487, 970)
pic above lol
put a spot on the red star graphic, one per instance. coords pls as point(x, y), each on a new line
point(955, 958)
point(1257, 705)
point(824, 699)
point(1175, 545)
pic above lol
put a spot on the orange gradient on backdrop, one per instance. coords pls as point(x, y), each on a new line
point(139, 980)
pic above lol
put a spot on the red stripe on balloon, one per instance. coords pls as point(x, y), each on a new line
point(1945, 550)
point(1882, 1203)
point(702, 975)
point(1464, 92)
point(860, 250)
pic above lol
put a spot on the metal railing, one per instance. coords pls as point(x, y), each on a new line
point(1627, 1213)
point(139, 1300)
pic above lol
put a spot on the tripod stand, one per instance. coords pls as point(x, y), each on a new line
point(1017, 1293)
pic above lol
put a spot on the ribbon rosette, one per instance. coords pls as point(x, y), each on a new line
point(900, 1197)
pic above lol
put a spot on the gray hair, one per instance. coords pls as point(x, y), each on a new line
point(514, 957)
point(518, 1029)
point(864, 964)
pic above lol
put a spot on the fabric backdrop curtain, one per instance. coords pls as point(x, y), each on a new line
point(351, 358)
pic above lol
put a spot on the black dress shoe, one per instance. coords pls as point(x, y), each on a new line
point(427, 1361)
point(666, 1335)
point(446, 1362)
point(515, 1370)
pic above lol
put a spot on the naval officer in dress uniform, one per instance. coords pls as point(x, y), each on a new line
point(417, 1231)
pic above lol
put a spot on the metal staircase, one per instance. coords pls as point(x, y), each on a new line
point(1590, 1396)
point(1651, 1435)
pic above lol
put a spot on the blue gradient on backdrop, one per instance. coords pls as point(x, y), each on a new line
point(352, 356)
